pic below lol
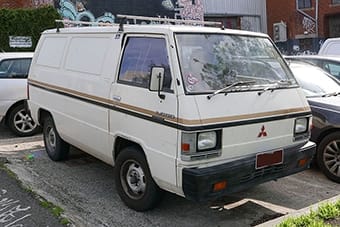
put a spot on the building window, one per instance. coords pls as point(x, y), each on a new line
point(303, 4)
point(335, 1)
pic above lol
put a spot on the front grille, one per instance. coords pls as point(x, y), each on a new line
point(261, 173)
point(204, 156)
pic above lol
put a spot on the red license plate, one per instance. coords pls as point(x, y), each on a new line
point(269, 159)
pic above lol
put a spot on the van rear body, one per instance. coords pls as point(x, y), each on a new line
point(200, 112)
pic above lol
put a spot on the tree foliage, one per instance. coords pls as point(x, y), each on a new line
point(25, 22)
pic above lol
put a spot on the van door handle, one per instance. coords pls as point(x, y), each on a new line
point(116, 98)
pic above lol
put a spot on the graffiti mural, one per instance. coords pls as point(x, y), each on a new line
point(190, 10)
point(308, 25)
point(105, 10)
point(78, 12)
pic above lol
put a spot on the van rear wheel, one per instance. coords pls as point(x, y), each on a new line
point(56, 148)
point(134, 182)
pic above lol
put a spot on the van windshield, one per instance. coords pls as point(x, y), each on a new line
point(210, 62)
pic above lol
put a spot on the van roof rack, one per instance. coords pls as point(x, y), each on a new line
point(153, 20)
point(168, 20)
point(65, 21)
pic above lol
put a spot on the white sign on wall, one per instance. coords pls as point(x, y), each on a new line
point(20, 41)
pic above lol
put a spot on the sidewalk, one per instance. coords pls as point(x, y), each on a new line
point(298, 213)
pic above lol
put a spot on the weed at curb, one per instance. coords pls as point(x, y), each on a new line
point(327, 215)
point(56, 211)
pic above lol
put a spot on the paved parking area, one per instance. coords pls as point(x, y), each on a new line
point(84, 187)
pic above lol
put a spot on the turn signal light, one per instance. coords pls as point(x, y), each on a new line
point(185, 147)
point(219, 186)
point(302, 162)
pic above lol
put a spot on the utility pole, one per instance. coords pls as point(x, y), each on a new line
point(317, 18)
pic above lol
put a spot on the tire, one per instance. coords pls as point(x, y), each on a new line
point(328, 156)
point(56, 148)
point(21, 123)
point(134, 183)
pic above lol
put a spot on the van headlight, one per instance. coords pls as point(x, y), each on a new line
point(206, 140)
point(200, 145)
point(302, 128)
point(301, 125)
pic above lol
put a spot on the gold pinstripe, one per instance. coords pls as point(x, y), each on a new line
point(185, 122)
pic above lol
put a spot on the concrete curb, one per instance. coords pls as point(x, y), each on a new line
point(18, 140)
point(298, 213)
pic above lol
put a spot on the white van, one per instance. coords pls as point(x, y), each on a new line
point(330, 47)
point(198, 111)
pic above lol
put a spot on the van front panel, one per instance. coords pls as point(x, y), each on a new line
point(249, 114)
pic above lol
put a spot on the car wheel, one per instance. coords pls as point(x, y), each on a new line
point(328, 156)
point(21, 123)
point(134, 183)
point(56, 148)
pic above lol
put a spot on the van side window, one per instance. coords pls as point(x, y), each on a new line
point(140, 55)
point(15, 68)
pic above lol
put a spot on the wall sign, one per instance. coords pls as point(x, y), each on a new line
point(20, 41)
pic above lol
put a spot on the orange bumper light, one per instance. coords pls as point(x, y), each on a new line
point(303, 162)
point(220, 186)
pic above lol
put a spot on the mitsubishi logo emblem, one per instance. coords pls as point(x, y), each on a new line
point(263, 132)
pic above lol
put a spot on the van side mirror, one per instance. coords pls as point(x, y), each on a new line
point(156, 81)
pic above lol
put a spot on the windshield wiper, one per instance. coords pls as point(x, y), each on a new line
point(277, 84)
point(331, 94)
point(281, 82)
point(239, 83)
point(285, 82)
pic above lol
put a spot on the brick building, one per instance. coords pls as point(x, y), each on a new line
point(12, 4)
point(302, 25)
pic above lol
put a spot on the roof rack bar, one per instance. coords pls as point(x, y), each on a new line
point(84, 23)
point(179, 21)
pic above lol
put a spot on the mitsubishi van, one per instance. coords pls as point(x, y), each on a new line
point(173, 105)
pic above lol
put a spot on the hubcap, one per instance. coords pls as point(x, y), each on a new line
point(331, 157)
point(133, 179)
point(51, 138)
point(23, 122)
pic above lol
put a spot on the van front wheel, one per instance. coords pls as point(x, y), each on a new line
point(56, 148)
point(134, 182)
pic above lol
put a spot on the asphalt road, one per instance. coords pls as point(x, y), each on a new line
point(19, 207)
point(84, 187)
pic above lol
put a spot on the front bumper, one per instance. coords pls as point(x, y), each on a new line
point(241, 174)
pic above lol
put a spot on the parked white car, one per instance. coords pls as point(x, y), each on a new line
point(14, 69)
point(330, 47)
point(331, 64)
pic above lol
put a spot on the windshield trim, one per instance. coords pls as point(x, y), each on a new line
point(257, 87)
